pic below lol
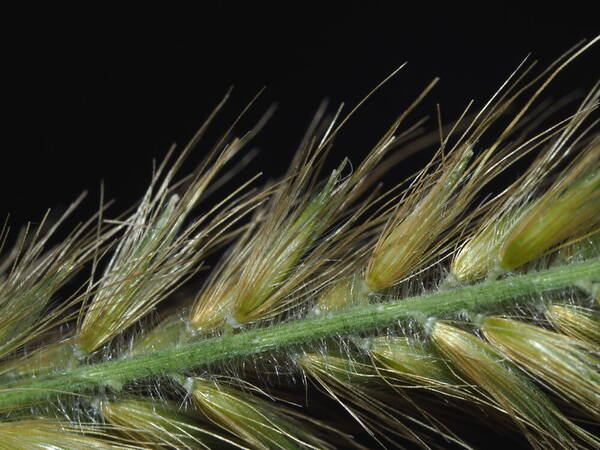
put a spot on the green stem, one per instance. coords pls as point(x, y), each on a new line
point(479, 297)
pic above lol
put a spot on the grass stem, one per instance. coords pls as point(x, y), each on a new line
point(473, 298)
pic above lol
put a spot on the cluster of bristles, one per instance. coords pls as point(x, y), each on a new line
point(301, 248)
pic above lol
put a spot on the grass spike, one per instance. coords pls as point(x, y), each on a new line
point(454, 308)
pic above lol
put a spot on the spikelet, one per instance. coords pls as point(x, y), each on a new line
point(212, 304)
point(483, 252)
point(156, 255)
point(570, 209)
point(281, 252)
point(42, 360)
point(172, 331)
point(260, 423)
point(349, 291)
point(576, 321)
point(356, 385)
point(435, 209)
point(478, 257)
point(159, 423)
point(566, 364)
point(37, 433)
point(542, 423)
point(376, 398)
point(401, 248)
point(411, 366)
point(412, 361)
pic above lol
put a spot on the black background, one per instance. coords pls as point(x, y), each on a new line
point(97, 94)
